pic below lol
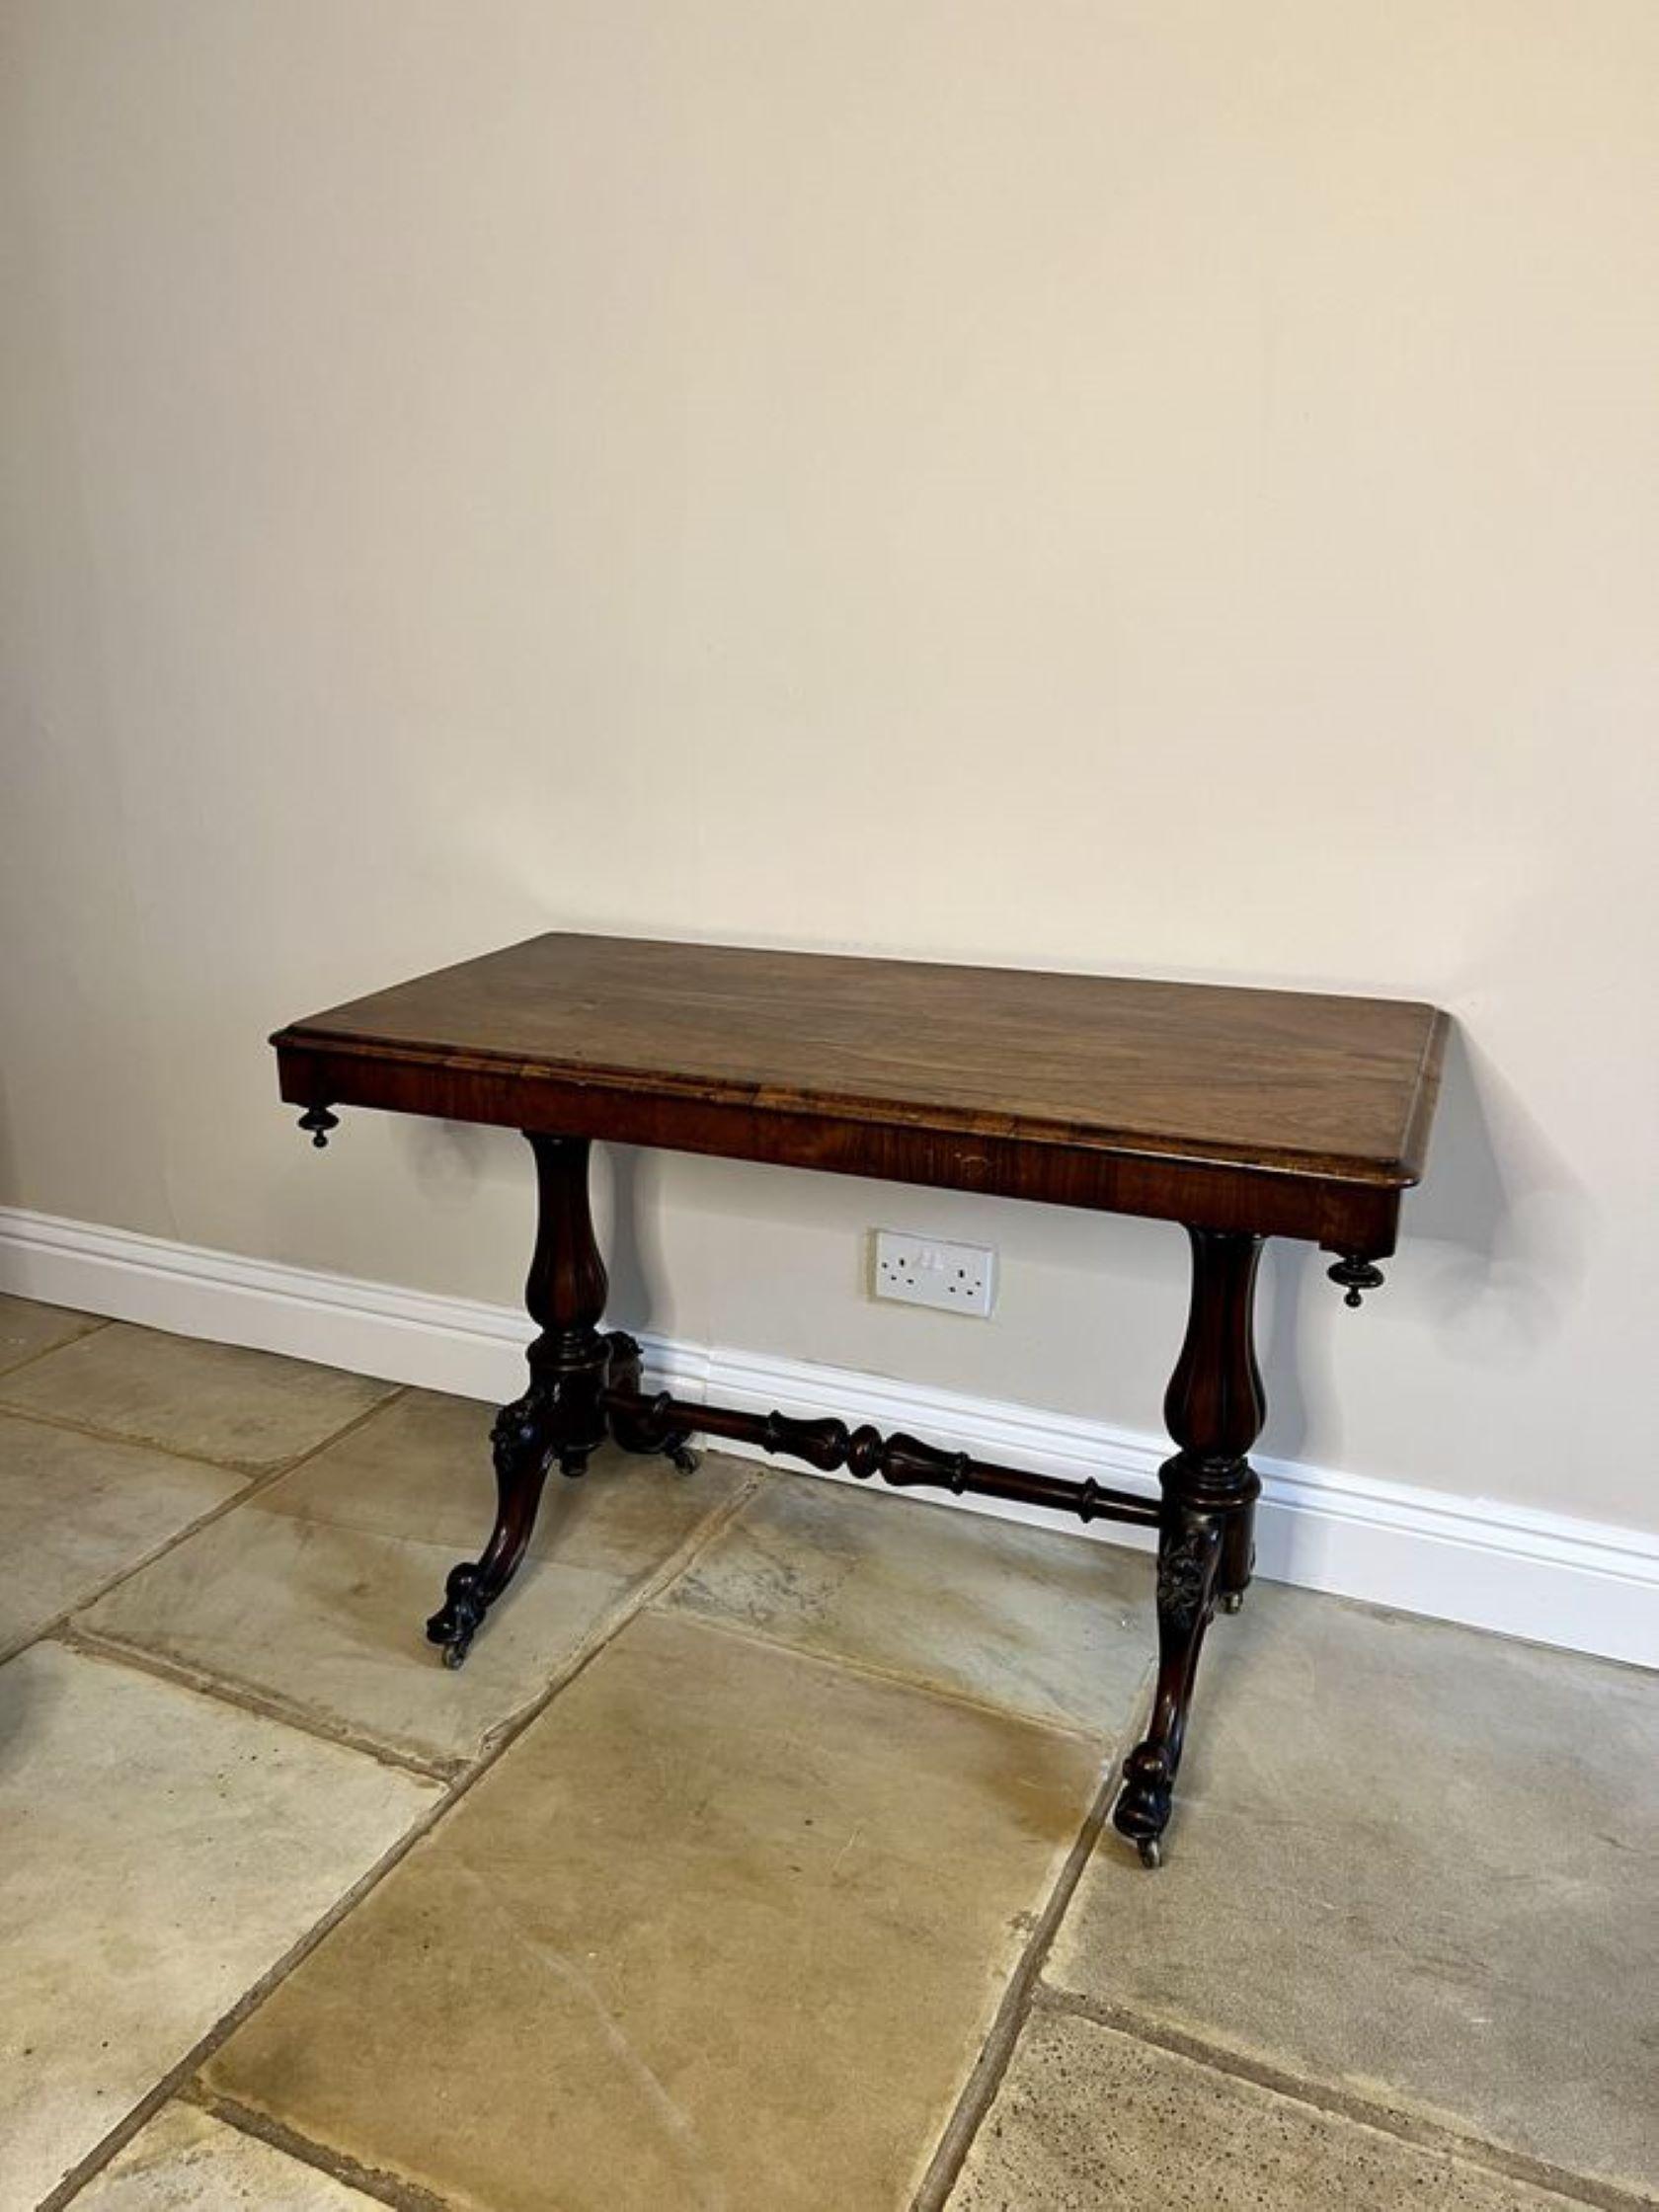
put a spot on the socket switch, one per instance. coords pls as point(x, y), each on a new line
point(922, 1271)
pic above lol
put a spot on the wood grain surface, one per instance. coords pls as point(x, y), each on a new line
point(918, 1070)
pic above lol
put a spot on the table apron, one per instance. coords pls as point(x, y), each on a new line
point(1343, 1216)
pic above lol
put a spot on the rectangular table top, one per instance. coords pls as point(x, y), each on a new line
point(1136, 1095)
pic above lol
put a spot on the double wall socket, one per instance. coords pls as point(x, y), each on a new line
point(922, 1271)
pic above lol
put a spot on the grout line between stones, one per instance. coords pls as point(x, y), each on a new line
point(1076, 1731)
point(1324, 2097)
point(255, 1487)
point(95, 1644)
point(46, 1351)
point(979, 2092)
point(249, 1473)
point(178, 2077)
point(369, 2181)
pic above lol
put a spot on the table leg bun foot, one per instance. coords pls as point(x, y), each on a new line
point(1145, 1801)
point(461, 1614)
point(636, 1430)
point(635, 1424)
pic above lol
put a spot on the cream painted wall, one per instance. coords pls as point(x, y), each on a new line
point(1157, 485)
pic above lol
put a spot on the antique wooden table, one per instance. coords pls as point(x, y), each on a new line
point(1241, 1114)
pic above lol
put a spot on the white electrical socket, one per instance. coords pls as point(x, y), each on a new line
point(922, 1271)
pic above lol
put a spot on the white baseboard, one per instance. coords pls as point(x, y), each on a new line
point(1545, 1576)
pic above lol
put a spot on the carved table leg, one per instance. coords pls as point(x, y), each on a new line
point(1215, 1408)
point(559, 1415)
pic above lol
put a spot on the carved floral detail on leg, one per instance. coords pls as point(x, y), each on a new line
point(1183, 1571)
point(519, 1430)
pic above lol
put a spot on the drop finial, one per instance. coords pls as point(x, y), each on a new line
point(319, 1121)
point(1356, 1275)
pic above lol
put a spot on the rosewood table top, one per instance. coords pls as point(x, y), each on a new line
point(1276, 1109)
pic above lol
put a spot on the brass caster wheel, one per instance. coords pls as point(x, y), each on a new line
point(1233, 1602)
point(454, 1653)
point(685, 1458)
point(1150, 1849)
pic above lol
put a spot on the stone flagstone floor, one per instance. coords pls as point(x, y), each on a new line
point(754, 1860)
